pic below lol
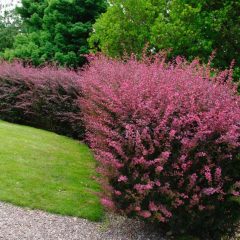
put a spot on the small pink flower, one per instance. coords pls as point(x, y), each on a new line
point(137, 209)
point(184, 167)
point(159, 169)
point(165, 155)
point(157, 183)
point(144, 214)
point(122, 179)
point(209, 191)
point(201, 154)
point(118, 193)
point(172, 133)
point(152, 207)
point(148, 186)
point(218, 173)
point(193, 179)
point(164, 210)
point(183, 158)
point(143, 187)
point(178, 202)
point(161, 218)
point(208, 174)
point(184, 196)
point(107, 203)
point(195, 200)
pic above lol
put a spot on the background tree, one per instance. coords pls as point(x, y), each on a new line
point(125, 27)
point(32, 13)
point(10, 26)
point(57, 31)
point(187, 27)
point(197, 28)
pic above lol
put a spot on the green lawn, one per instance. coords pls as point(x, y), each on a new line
point(42, 170)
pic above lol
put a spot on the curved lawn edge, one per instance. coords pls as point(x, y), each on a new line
point(46, 171)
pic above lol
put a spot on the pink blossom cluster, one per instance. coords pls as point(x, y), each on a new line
point(167, 136)
point(44, 97)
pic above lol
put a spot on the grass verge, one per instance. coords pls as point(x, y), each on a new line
point(43, 170)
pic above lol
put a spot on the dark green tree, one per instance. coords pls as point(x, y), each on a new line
point(57, 31)
point(32, 13)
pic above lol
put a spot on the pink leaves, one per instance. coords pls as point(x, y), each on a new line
point(45, 97)
point(144, 214)
point(159, 169)
point(166, 135)
point(171, 128)
point(142, 188)
point(153, 207)
point(122, 179)
point(209, 191)
point(172, 133)
point(218, 174)
point(207, 173)
point(107, 203)
point(165, 155)
point(192, 180)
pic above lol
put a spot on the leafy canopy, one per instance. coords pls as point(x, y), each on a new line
point(57, 31)
point(125, 27)
point(197, 28)
point(189, 28)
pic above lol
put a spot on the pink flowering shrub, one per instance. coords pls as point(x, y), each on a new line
point(167, 137)
point(42, 97)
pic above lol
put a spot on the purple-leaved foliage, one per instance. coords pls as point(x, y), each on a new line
point(167, 137)
point(44, 97)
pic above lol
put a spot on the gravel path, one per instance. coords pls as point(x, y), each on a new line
point(22, 224)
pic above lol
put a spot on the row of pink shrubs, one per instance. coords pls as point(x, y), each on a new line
point(167, 136)
point(41, 97)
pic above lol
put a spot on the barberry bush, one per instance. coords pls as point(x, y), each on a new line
point(167, 137)
point(44, 97)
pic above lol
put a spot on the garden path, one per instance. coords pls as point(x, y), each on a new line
point(23, 224)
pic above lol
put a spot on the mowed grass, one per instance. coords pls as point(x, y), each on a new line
point(43, 170)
